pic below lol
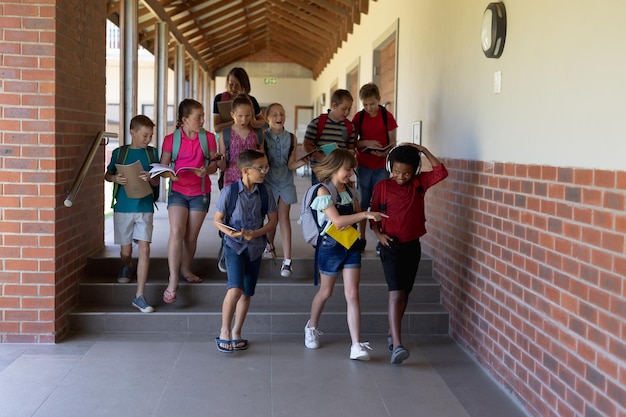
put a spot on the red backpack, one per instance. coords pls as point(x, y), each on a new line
point(321, 124)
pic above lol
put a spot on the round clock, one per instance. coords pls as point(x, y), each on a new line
point(493, 31)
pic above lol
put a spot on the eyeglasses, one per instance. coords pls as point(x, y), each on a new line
point(262, 170)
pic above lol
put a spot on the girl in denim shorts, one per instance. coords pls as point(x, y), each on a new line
point(336, 170)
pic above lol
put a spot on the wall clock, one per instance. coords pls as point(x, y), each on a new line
point(493, 33)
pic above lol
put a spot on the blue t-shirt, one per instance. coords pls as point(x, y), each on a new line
point(124, 204)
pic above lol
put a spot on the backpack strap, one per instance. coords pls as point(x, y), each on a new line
point(234, 195)
point(122, 150)
point(204, 144)
point(321, 124)
point(226, 137)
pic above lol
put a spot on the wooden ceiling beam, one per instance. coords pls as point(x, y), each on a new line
point(302, 28)
point(158, 10)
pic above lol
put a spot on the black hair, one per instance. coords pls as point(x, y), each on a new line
point(405, 154)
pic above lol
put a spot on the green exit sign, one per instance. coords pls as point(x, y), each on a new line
point(270, 80)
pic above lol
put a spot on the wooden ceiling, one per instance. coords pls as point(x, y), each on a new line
point(218, 33)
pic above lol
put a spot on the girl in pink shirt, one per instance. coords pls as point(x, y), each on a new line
point(189, 197)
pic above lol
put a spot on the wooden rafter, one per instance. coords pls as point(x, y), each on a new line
point(220, 32)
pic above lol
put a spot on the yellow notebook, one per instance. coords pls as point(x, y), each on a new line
point(346, 237)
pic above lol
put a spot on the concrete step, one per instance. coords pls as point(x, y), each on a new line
point(206, 267)
point(419, 319)
point(280, 305)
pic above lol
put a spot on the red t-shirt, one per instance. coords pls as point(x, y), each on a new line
point(405, 204)
point(373, 128)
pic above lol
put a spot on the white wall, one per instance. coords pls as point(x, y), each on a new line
point(563, 72)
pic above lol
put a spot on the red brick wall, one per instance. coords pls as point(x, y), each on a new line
point(532, 264)
point(52, 89)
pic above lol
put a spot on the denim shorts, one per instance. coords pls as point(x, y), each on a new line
point(400, 264)
point(333, 257)
point(191, 203)
point(241, 271)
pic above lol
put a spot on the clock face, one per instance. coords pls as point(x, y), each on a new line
point(485, 35)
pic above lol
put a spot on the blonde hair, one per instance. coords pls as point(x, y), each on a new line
point(337, 159)
point(266, 112)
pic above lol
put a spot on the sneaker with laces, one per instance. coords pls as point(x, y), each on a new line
point(270, 252)
point(311, 337)
point(125, 274)
point(143, 306)
point(358, 351)
point(285, 270)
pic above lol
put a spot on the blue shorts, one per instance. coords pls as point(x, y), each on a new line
point(400, 264)
point(194, 203)
point(333, 257)
point(241, 271)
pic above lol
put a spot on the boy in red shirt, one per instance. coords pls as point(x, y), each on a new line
point(401, 197)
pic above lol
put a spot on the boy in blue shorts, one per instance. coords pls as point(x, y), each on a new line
point(402, 198)
point(133, 217)
point(241, 220)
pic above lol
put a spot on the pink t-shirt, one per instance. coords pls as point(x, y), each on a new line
point(189, 155)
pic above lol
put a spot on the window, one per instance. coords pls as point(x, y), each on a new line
point(148, 110)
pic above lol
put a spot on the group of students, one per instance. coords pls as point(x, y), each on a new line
point(257, 189)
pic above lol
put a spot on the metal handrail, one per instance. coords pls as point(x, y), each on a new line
point(78, 181)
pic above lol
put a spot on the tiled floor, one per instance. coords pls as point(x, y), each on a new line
point(161, 375)
point(116, 375)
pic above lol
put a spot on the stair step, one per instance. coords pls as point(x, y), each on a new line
point(281, 292)
point(279, 306)
point(418, 319)
point(371, 268)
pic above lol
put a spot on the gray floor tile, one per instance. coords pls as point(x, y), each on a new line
point(112, 375)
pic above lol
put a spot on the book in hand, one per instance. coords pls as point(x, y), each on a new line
point(158, 169)
point(301, 153)
point(328, 148)
point(345, 237)
point(135, 187)
point(369, 149)
point(227, 226)
point(224, 108)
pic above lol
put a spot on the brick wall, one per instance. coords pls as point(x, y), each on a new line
point(532, 264)
point(52, 88)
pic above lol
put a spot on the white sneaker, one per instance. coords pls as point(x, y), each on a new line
point(270, 252)
point(285, 270)
point(311, 337)
point(358, 351)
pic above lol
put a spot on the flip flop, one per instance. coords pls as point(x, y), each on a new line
point(240, 344)
point(222, 349)
point(169, 296)
point(193, 279)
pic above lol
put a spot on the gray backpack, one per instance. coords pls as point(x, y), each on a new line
point(308, 216)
